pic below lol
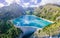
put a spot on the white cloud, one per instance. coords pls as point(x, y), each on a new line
point(11, 1)
point(18, 1)
point(30, 5)
point(34, 5)
point(25, 4)
point(1, 5)
point(33, 0)
point(43, 2)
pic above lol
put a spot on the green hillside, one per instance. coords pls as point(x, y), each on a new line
point(7, 30)
point(52, 13)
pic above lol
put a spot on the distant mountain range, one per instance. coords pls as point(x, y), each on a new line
point(12, 11)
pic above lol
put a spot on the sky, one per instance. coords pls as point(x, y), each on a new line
point(28, 3)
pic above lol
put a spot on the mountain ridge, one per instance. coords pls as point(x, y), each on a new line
point(12, 11)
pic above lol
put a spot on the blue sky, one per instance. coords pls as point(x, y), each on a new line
point(28, 3)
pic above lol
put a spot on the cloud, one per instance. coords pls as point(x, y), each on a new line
point(12, 1)
point(32, 3)
point(9, 1)
point(22, 4)
point(35, 1)
point(34, 6)
point(18, 1)
point(1, 5)
point(25, 4)
point(43, 2)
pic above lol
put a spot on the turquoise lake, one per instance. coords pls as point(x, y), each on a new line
point(30, 21)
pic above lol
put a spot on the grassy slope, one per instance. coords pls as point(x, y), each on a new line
point(49, 12)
